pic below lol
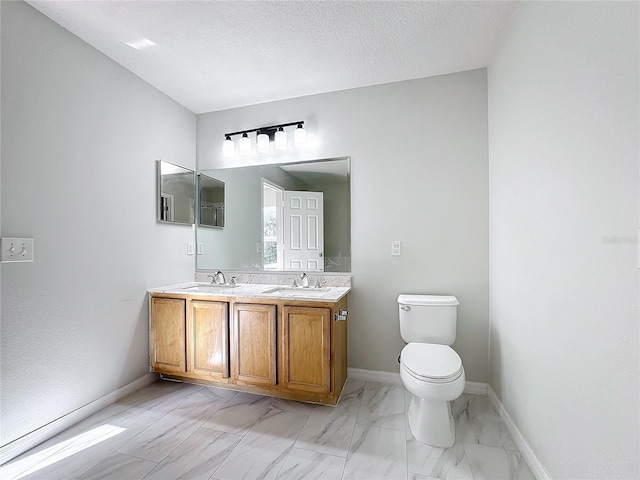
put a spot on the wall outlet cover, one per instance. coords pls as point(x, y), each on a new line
point(17, 249)
point(396, 248)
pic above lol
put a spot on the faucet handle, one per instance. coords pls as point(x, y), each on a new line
point(294, 283)
point(232, 282)
point(212, 277)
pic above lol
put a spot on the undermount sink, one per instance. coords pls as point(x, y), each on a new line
point(303, 291)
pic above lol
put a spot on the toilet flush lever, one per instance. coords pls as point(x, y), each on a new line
point(405, 308)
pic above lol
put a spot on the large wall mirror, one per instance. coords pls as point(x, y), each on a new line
point(176, 193)
point(280, 217)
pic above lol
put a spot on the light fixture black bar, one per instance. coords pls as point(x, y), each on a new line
point(270, 127)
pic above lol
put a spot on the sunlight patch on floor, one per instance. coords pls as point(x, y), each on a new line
point(55, 453)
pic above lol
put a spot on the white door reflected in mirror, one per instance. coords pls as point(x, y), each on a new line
point(303, 231)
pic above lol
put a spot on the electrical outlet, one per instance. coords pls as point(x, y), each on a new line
point(259, 247)
point(190, 248)
point(200, 248)
point(396, 248)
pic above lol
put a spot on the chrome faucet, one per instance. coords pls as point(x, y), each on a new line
point(305, 280)
point(219, 278)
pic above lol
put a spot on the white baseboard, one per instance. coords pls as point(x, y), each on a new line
point(36, 437)
point(476, 388)
point(374, 376)
point(525, 449)
point(393, 378)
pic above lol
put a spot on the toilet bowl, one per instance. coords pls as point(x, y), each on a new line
point(434, 375)
point(429, 368)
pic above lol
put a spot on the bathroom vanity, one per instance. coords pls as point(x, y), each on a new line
point(266, 339)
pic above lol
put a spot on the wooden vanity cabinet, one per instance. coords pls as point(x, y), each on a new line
point(208, 339)
point(254, 347)
point(167, 335)
point(293, 349)
point(306, 349)
point(189, 337)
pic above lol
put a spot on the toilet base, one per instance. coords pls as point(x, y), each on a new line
point(431, 422)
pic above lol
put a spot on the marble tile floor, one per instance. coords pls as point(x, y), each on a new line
point(171, 430)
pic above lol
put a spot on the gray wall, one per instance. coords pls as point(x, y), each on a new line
point(81, 136)
point(563, 150)
point(420, 175)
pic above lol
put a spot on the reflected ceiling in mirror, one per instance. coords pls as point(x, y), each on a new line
point(281, 217)
point(176, 193)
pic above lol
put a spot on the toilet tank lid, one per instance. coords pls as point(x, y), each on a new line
point(405, 299)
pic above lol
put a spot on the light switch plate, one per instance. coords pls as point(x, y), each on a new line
point(200, 248)
point(190, 248)
point(17, 249)
point(396, 248)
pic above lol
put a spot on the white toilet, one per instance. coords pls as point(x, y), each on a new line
point(429, 368)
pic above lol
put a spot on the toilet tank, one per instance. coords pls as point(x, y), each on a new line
point(428, 318)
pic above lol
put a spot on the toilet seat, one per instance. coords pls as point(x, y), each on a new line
point(431, 363)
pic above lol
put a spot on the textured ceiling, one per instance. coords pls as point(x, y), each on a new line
point(214, 55)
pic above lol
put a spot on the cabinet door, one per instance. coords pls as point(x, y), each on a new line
point(167, 335)
point(208, 339)
point(254, 333)
point(306, 338)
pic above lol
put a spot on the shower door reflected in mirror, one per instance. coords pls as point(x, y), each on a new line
point(210, 201)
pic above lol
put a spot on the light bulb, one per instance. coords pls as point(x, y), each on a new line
point(228, 148)
point(281, 139)
point(299, 136)
point(263, 142)
point(245, 145)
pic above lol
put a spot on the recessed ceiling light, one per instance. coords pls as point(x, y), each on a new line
point(142, 43)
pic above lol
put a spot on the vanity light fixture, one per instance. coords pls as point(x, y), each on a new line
point(263, 142)
point(275, 133)
point(228, 147)
point(245, 145)
point(299, 136)
point(281, 139)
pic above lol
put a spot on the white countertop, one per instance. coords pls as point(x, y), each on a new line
point(256, 290)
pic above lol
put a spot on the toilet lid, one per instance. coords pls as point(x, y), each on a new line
point(431, 362)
